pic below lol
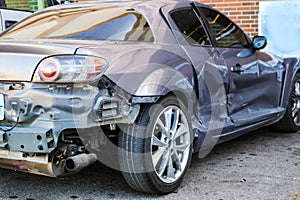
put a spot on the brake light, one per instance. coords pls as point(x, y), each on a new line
point(97, 67)
point(70, 68)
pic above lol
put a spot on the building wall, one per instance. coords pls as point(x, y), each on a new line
point(243, 12)
point(32, 5)
point(18, 4)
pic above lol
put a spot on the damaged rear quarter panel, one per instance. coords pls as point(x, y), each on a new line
point(144, 71)
point(147, 71)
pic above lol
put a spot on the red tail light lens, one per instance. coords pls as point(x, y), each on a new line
point(49, 70)
point(70, 68)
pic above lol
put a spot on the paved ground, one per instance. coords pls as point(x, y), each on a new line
point(260, 165)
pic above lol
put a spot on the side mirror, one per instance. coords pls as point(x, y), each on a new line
point(259, 42)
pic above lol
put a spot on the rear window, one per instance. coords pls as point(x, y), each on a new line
point(91, 23)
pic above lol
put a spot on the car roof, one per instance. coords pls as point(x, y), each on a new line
point(149, 8)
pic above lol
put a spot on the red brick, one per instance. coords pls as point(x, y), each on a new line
point(243, 8)
point(235, 13)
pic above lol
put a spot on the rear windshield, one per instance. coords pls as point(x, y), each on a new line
point(90, 23)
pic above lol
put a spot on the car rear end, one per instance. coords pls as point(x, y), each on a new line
point(52, 98)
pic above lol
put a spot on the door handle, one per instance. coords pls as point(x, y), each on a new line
point(236, 69)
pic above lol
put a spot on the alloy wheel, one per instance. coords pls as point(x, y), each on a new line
point(170, 144)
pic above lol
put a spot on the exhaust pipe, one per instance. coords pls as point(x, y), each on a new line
point(78, 162)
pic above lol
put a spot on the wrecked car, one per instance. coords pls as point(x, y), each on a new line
point(146, 82)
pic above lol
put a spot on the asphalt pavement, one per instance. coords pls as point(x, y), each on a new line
point(261, 165)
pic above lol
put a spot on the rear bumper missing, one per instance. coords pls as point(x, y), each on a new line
point(43, 111)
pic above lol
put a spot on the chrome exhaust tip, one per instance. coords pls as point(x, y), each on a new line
point(79, 162)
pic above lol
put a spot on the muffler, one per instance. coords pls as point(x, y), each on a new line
point(78, 162)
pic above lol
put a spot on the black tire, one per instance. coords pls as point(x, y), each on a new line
point(140, 149)
point(291, 120)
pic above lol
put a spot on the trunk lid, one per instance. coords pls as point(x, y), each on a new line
point(18, 60)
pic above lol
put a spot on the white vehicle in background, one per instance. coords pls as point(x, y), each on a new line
point(8, 17)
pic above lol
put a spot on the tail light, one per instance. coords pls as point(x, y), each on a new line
point(70, 68)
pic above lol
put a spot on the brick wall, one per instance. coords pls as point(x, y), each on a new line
point(18, 4)
point(243, 12)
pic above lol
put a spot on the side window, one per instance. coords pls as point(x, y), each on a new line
point(226, 33)
point(190, 26)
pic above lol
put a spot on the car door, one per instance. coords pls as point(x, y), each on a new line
point(208, 63)
point(255, 79)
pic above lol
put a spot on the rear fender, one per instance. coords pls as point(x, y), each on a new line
point(147, 72)
point(165, 81)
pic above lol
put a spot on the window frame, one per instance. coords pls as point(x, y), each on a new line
point(213, 38)
point(174, 27)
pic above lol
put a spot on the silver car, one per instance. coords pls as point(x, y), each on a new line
point(138, 85)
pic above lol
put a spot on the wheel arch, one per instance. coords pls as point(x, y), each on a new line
point(292, 66)
point(179, 86)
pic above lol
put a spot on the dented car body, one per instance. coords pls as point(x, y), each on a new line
point(155, 80)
